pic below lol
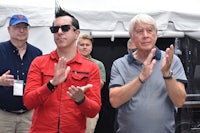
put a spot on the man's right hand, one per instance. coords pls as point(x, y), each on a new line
point(61, 71)
point(7, 79)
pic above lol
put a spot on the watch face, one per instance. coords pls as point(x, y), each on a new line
point(169, 76)
point(171, 73)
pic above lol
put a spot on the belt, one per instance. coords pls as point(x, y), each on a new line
point(21, 111)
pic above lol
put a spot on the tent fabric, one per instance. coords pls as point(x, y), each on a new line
point(174, 18)
point(38, 16)
point(107, 20)
point(104, 15)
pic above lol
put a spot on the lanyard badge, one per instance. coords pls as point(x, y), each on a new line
point(18, 88)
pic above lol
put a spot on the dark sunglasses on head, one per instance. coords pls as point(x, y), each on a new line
point(64, 28)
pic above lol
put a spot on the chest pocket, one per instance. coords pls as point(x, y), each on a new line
point(79, 78)
point(46, 76)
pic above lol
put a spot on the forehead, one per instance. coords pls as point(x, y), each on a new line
point(63, 20)
point(143, 26)
point(85, 41)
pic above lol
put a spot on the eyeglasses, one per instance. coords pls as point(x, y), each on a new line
point(64, 28)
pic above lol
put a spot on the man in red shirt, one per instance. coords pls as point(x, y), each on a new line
point(62, 87)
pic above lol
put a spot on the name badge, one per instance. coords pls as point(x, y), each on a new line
point(18, 88)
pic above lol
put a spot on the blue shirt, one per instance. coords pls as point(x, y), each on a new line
point(10, 60)
point(150, 110)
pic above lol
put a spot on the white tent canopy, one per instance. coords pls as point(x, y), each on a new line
point(103, 18)
point(107, 17)
point(105, 14)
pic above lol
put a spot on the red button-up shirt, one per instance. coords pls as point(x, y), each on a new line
point(56, 112)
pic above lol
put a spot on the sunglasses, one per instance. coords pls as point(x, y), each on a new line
point(64, 28)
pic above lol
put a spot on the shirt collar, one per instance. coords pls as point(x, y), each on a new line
point(131, 58)
point(13, 46)
point(78, 58)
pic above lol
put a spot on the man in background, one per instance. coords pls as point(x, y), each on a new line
point(130, 46)
point(16, 56)
point(85, 46)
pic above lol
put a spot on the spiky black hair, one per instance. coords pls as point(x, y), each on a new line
point(61, 12)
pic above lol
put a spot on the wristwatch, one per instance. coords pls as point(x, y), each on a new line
point(51, 86)
point(169, 76)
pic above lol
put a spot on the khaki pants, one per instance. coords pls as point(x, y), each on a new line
point(15, 123)
point(91, 124)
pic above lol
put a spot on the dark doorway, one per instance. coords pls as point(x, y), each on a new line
point(107, 51)
point(188, 118)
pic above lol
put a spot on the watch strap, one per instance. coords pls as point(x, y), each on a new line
point(51, 86)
